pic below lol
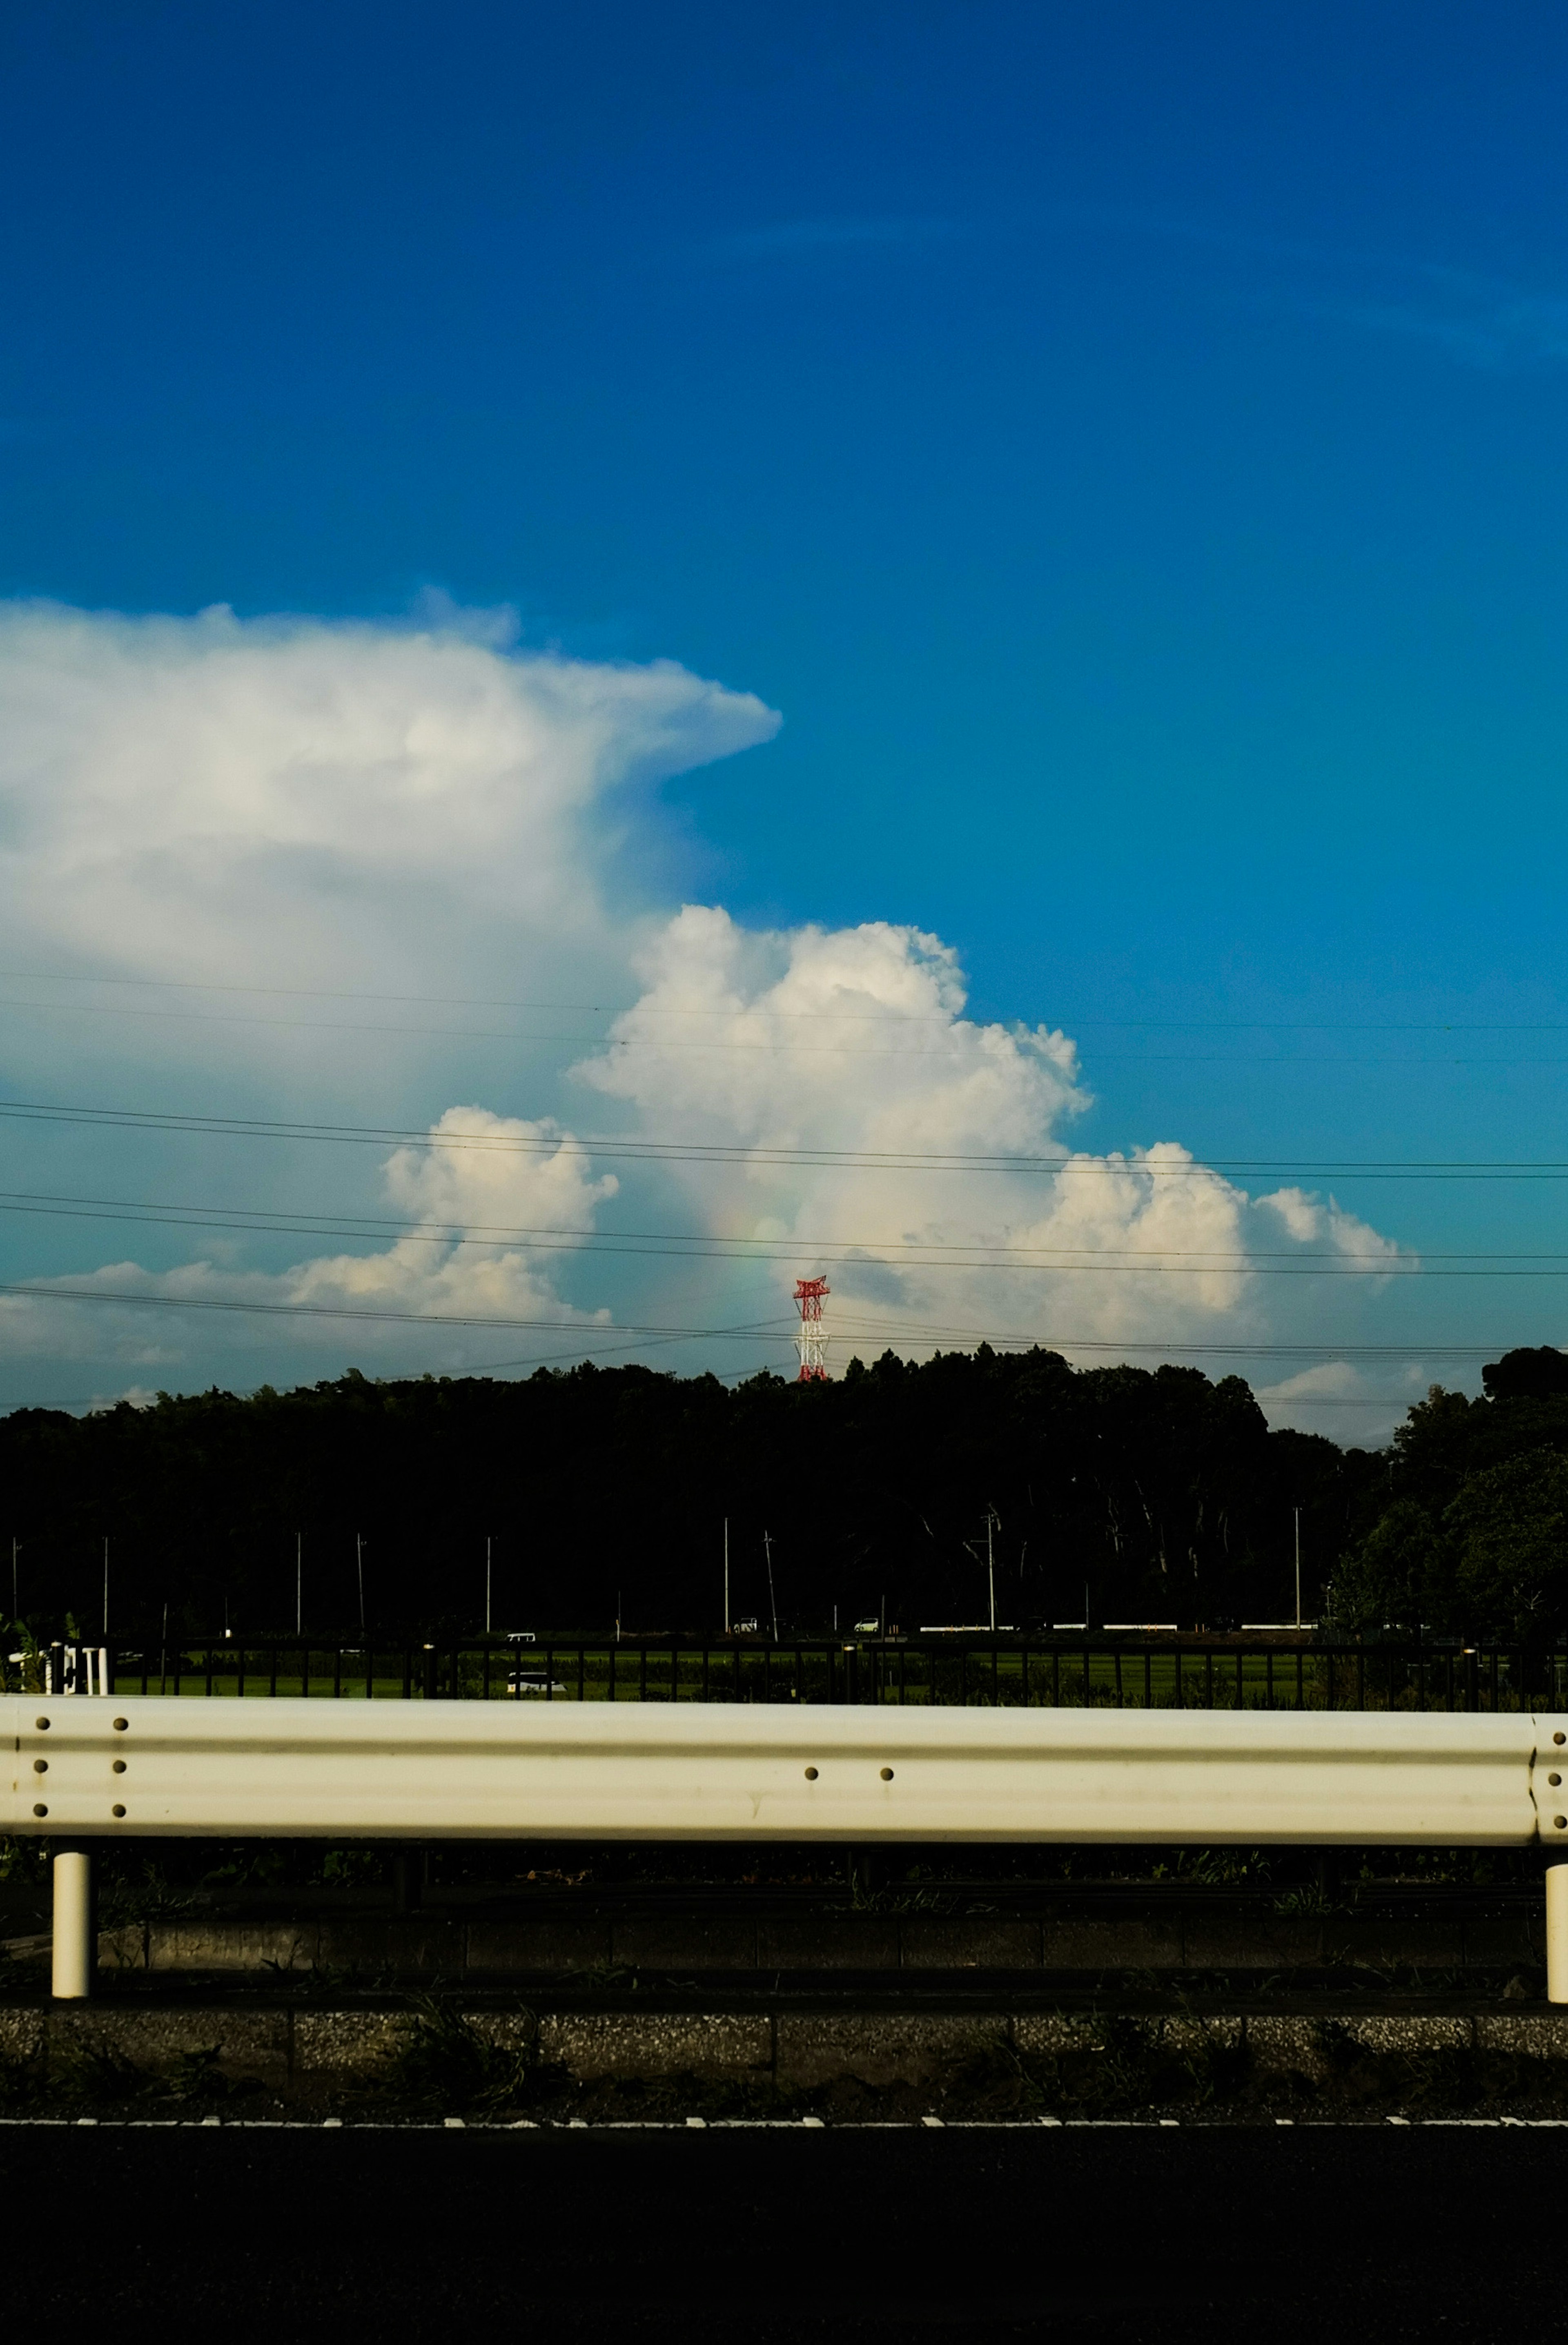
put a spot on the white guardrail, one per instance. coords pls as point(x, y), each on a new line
point(145, 1766)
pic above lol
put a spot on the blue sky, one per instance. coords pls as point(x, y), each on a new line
point(1123, 446)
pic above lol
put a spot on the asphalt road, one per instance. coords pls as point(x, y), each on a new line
point(1109, 2233)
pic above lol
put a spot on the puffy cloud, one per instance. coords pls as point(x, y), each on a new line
point(1336, 1398)
point(288, 806)
point(868, 1117)
point(824, 1038)
point(434, 1271)
point(472, 1178)
point(291, 804)
point(420, 810)
point(1323, 1222)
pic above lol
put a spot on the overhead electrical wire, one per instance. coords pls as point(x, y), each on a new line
point(122, 1299)
point(54, 1293)
point(664, 1045)
point(1053, 1165)
point(678, 1245)
point(760, 1330)
point(934, 1255)
point(1239, 1350)
point(853, 1017)
point(954, 1026)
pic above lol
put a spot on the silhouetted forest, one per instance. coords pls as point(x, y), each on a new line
point(1116, 1493)
point(1471, 1537)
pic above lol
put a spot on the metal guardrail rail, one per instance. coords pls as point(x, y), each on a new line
point(153, 1766)
point(914, 1672)
point(134, 1767)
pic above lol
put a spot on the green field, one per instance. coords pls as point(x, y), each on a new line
point(1159, 1678)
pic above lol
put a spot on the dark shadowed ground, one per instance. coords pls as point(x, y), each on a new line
point(1112, 2233)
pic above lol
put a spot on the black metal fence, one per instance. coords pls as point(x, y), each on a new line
point(1006, 1672)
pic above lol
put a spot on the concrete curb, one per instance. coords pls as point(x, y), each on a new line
point(1186, 1937)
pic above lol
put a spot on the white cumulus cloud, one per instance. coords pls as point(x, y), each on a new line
point(318, 811)
point(483, 1183)
point(288, 803)
point(872, 1122)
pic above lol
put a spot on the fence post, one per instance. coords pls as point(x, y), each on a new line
point(74, 1947)
point(1556, 1931)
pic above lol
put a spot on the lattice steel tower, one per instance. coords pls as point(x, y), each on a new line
point(811, 1342)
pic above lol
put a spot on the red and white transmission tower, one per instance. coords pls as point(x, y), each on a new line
point(811, 1342)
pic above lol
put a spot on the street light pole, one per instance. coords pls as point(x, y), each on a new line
point(991, 1563)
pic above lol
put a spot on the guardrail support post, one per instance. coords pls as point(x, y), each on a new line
point(74, 1937)
point(1557, 1933)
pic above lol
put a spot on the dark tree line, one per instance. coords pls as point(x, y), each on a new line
point(1470, 1534)
point(1119, 1494)
point(1115, 1495)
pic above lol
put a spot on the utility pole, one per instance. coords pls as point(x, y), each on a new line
point(489, 1542)
point(359, 1566)
point(1298, 1514)
point(726, 1575)
point(16, 1544)
point(299, 1583)
point(991, 1563)
point(106, 1591)
point(773, 1606)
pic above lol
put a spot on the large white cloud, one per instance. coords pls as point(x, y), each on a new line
point(422, 811)
point(457, 1265)
point(841, 1070)
point(287, 804)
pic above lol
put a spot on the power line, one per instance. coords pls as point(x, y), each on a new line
point(57, 1294)
point(322, 1223)
point(679, 1246)
point(489, 1367)
point(1055, 1164)
point(101, 1402)
point(1240, 1349)
point(872, 1328)
point(484, 1033)
point(847, 1017)
point(484, 1002)
point(957, 1029)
